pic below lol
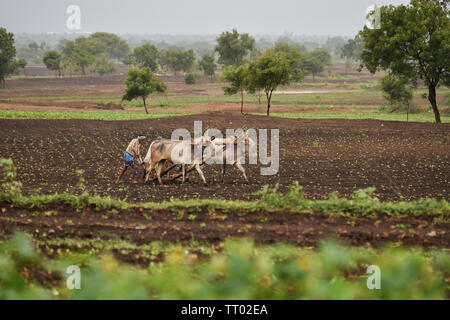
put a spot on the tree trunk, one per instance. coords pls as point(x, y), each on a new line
point(145, 106)
point(269, 97)
point(242, 102)
point(432, 99)
point(407, 113)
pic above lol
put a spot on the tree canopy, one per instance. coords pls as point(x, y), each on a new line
point(178, 60)
point(234, 47)
point(147, 56)
point(7, 54)
point(140, 83)
point(413, 42)
point(352, 49)
point(114, 45)
point(208, 65)
point(268, 72)
point(52, 60)
point(315, 61)
point(238, 79)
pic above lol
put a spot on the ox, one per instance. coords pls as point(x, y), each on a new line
point(178, 152)
point(232, 151)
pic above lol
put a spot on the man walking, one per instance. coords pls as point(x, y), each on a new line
point(132, 158)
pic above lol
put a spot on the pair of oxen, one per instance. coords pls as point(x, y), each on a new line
point(198, 152)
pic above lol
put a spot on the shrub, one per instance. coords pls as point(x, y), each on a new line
point(191, 78)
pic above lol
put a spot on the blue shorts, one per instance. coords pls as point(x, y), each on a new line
point(128, 160)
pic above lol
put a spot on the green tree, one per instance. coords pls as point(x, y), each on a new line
point(52, 61)
point(234, 47)
point(147, 56)
point(413, 42)
point(103, 65)
point(238, 79)
point(79, 54)
point(33, 52)
point(208, 65)
point(7, 54)
point(187, 59)
point(178, 60)
point(141, 83)
point(20, 65)
point(397, 93)
point(268, 72)
point(294, 53)
point(129, 60)
point(352, 49)
point(315, 61)
point(116, 47)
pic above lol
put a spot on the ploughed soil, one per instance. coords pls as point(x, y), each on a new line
point(403, 161)
point(143, 226)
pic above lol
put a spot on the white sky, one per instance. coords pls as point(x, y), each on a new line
point(309, 17)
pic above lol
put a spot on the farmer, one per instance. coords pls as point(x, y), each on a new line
point(132, 153)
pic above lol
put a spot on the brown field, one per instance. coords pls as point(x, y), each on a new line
point(404, 161)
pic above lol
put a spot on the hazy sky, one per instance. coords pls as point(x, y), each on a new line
point(310, 17)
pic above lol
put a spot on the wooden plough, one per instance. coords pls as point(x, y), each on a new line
point(176, 175)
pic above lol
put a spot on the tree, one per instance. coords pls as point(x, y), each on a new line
point(102, 65)
point(52, 61)
point(352, 49)
point(178, 60)
point(233, 47)
point(129, 60)
point(141, 83)
point(294, 53)
point(78, 55)
point(147, 56)
point(315, 61)
point(33, 52)
point(238, 79)
point(115, 46)
point(187, 59)
point(208, 65)
point(20, 64)
point(396, 92)
point(413, 42)
point(7, 54)
point(268, 72)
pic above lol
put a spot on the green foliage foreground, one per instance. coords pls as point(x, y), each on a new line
point(240, 271)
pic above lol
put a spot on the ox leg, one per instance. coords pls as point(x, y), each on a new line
point(200, 172)
point(148, 171)
point(224, 166)
point(241, 168)
point(158, 171)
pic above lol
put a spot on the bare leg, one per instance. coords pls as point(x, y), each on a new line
point(121, 174)
point(133, 174)
point(200, 172)
point(240, 167)
point(183, 170)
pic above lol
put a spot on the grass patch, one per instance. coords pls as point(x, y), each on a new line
point(91, 115)
point(420, 117)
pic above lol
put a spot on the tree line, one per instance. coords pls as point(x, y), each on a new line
point(407, 44)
